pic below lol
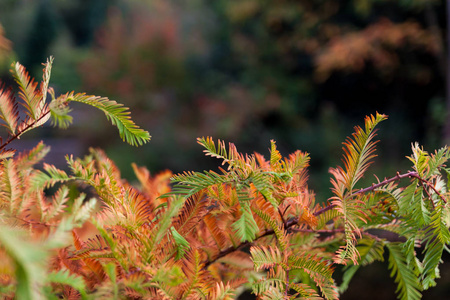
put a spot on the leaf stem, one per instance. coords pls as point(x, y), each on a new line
point(29, 126)
point(375, 186)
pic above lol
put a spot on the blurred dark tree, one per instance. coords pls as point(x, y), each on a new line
point(83, 18)
point(43, 32)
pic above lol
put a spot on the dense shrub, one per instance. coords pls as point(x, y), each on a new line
point(88, 233)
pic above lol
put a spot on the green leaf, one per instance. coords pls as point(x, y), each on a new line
point(190, 183)
point(110, 269)
point(431, 260)
point(408, 284)
point(118, 115)
point(279, 232)
point(370, 251)
point(165, 221)
point(275, 155)
point(49, 178)
point(437, 236)
point(65, 277)
point(266, 284)
point(59, 112)
point(28, 259)
point(318, 269)
point(180, 241)
point(246, 227)
point(347, 277)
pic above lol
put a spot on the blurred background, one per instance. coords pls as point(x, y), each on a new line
point(301, 72)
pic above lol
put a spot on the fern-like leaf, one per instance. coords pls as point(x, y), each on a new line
point(190, 183)
point(408, 284)
point(28, 260)
point(265, 257)
point(49, 178)
point(222, 292)
point(12, 191)
point(29, 91)
point(57, 207)
point(59, 111)
point(370, 251)
point(165, 222)
point(437, 236)
point(358, 153)
point(261, 287)
point(280, 233)
point(27, 159)
point(117, 114)
point(8, 110)
point(192, 212)
point(230, 156)
point(246, 227)
point(180, 241)
point(319, 270)
point(64, 277)
point(193, 268)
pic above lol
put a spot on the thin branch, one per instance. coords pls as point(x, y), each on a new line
point(287, 283)
point(16, 136)
point(318, 231)
point(282, 217)
point(35, 223)
point(430, 185)
point(289, 224)
point(386, 181)
point(373, 187)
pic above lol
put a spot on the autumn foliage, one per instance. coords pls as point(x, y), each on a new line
point(86, 233)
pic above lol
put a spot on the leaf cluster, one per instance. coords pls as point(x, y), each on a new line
point(86, 233)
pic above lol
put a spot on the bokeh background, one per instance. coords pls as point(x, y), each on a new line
point(301, 72)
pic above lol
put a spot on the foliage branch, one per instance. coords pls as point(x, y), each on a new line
point(202, 235)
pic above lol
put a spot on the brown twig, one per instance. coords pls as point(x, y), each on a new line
point(371, 188)
point(289, 223)
point(282, 217)
point(287, 283)
point(35, 223)
point(431, 186)
point(29, 126)
point(318, 231)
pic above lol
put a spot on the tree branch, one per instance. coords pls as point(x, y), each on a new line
point(294, 221)
point(375, 186)
point(16, 136)
point(289, 223)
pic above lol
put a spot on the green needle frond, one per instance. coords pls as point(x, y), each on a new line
point(408, 284)
point(119, 116)
point(246, 227)
point(66, 278)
